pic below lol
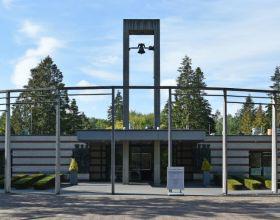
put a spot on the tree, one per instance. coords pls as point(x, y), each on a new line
point(260, 119)
point(118, 101)
point(2, 123)
point(275, 78)
point(191, 110)
point(247, 116)
point(39, 116)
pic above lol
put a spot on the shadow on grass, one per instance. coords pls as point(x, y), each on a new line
point(28, 206)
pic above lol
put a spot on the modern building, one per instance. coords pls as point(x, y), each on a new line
point(141, 155)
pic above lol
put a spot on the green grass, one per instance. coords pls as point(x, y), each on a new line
point(28, 181)
point(234, 184)
point(45, 183)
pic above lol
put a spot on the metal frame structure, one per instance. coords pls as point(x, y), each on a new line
point(225, 95)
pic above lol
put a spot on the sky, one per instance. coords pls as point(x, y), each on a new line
point(236, 43)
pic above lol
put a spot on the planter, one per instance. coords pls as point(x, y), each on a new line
point(73, 177)
point(206, 178)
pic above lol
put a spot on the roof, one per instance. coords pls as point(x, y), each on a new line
point(140, 135)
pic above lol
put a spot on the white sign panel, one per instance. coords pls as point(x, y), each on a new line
point(175, 178)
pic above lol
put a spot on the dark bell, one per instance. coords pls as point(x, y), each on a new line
point(141, 48)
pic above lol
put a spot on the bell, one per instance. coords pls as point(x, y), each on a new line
point(141, 47)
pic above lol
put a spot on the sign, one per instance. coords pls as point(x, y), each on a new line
point(175, 179)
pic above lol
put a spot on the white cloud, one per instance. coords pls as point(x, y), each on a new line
point(30, 29)
point(45, 46)
point(7, 3)
point(100, 74)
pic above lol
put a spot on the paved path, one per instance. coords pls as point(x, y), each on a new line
point(76, 206)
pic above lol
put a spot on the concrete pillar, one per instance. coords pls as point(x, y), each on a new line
point(125, 175)
point(57, 146)
point(224, 159)
point(157, 163)
point(274, 185)
point(8, 146)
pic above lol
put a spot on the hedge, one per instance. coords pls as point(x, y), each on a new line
point(252, 184)
point(234, 184)
point(45, 183)
point(18, 177)
point(28, 181)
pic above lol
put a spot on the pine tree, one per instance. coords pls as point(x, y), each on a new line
point(191, 110)
point(275, 86)
point(247, 116)
point(260, 119)
point(118, 108)
point(39, 116)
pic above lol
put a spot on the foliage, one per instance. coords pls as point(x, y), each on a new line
point(45, 183)
point(38, 117)
point(141, 121)
point(252, 184)
point(247, 116)
point(191, 110)
point(234, 184)
point(73, 165)
point(118, 101)
point(28, 181)
point(2, 124)
point(206, 166)
point(260, 119)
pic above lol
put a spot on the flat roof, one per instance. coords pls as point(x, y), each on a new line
point(140, 135)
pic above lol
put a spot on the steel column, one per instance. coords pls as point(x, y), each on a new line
point(8, 145)
point(113, 150)
point(274, 185)
point(224, 159)
point(169, 129)
point(57, 145)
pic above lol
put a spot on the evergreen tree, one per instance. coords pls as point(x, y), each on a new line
point(260, 119)
point(191, 110)
point(247, 116)
point(118, 108)
point(39, 117)
point(275, 86)
point(2, 123)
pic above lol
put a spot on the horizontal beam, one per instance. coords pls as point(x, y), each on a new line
point(141, 87)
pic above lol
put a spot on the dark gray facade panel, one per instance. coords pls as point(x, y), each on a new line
point(140, 135)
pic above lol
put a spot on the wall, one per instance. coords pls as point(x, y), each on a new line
point(32, 154)
point(238, 151)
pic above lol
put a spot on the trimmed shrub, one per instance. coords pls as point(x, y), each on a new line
point(45, 183)
point(18, 177)
point(234, 184)
point(28, 181)
point(267, 184)
point(252, 184)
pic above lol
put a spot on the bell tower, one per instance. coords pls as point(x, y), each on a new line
point(141, 27)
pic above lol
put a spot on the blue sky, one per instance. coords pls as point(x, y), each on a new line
point(236, 43)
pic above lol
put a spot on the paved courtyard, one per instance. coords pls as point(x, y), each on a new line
point(75, 206)
point(93, 201)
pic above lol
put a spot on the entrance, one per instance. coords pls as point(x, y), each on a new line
point(141, 163)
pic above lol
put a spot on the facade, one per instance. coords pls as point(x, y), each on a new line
point(145, 161)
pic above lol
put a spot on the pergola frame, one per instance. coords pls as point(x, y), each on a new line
point(225, 95)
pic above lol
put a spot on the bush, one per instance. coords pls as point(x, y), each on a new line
point(267, 184)
point(45, 183)
point(234, 184)
point(18, 177)
point(28, 181)
point(252, 184)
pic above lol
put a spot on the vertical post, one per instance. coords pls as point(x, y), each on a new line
point(157, 73)
point(113, 150)
point(126, 74)
point(57, 144)
point(8, 146)
point(169, 129)
point(224, 159)
point(274, 185)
